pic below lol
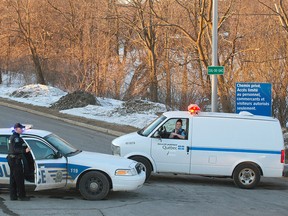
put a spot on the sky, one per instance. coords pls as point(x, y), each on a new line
point(42, 95)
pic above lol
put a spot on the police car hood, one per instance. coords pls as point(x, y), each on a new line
point(100, 161)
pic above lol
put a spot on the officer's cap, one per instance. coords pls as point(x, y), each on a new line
point(18, 125)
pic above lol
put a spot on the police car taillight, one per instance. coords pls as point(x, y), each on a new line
point(282, 156)
point(193, 109)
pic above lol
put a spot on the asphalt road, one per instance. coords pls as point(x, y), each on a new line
point(163, 196)
point(79, 137)
point(167, 195)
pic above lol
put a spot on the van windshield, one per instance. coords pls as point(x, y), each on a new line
point(148, 129)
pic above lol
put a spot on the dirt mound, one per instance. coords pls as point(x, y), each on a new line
point(75, 100)
point(21, 94)
point(141, 106)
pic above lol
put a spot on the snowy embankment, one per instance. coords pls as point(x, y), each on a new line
point(110, 110)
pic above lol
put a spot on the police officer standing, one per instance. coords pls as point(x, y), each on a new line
point(17, 148)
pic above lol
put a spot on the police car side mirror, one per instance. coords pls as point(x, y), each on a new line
point(59, 155)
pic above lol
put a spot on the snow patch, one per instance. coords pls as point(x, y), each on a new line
point(135, 113)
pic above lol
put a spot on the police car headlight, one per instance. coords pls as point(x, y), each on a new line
point(115, 150)
point(126, 172)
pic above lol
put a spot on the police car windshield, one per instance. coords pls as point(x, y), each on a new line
point(64, 147)
point(148, 129)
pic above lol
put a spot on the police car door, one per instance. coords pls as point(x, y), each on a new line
point(50, 169)
point(4, 167)
point(170, 154)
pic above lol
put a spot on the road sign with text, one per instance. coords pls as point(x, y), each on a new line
point(215, 70)
point(254, 98)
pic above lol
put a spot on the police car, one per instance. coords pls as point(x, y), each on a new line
point(240, 146)
point(54, 163)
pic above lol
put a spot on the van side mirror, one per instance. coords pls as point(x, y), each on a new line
point(156, 135)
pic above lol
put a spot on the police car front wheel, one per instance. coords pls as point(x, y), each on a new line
point(94, 185)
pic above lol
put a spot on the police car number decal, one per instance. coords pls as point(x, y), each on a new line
point(74, 170)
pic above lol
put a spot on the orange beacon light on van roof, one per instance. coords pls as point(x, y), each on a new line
point(193, 109)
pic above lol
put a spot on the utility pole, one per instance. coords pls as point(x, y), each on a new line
point(214, 95)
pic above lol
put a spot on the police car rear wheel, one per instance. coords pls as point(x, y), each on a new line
point(146, 164)
point(94, 186)
point(246, 176)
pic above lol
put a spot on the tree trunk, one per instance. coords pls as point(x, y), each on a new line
point(184, 85)
point(167, 72)
point(37, 65)
point(138, 74)
point(153, 76)
point(225, 98)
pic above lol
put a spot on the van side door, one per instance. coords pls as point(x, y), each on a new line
point(171, 154)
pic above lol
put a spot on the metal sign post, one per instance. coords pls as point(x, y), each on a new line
point(214, 95)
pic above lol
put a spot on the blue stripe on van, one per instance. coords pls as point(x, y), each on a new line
point(234, 150)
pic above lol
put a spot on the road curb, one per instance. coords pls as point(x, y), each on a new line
point(88, 126)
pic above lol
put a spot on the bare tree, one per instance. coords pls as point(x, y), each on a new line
point(196, 29)
point(149, 49)
point(23, 16)
point(142, 23)
point(277, 63)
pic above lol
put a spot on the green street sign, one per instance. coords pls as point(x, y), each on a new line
point(215, 70)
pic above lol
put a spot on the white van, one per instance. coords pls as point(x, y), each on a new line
point(241, 146)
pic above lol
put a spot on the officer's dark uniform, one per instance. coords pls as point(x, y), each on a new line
point(17, 147)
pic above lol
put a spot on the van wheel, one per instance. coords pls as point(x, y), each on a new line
point(94, 185)
point(246, 176)
point(147, 166)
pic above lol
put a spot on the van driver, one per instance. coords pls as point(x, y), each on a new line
point(178, 132)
